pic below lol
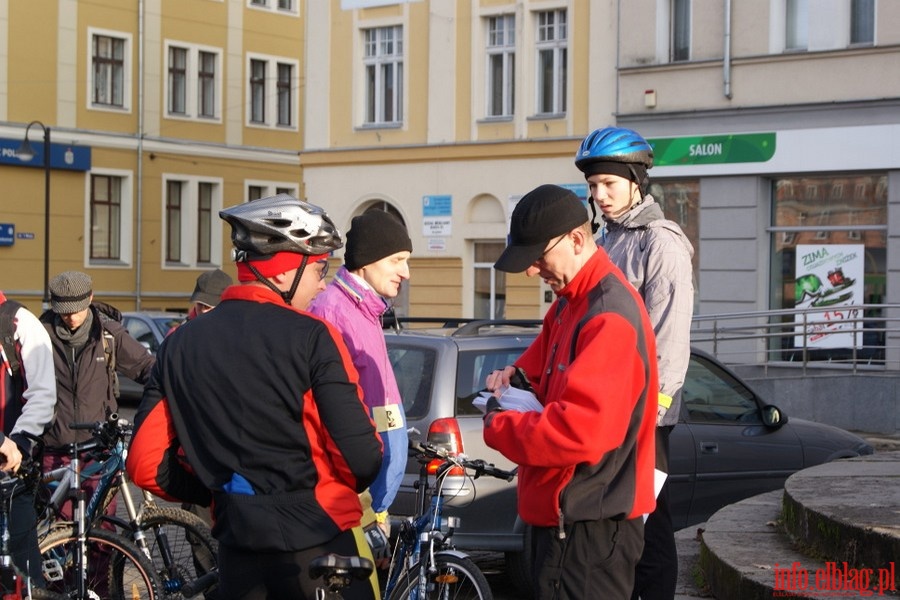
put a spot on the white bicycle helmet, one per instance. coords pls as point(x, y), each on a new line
point(281, 223)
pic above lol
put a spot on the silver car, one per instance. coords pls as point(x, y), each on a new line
point(729, 444)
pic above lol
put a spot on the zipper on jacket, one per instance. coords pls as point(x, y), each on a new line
point(561, 532)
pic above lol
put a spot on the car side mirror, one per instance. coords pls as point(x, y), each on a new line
point(773, 417)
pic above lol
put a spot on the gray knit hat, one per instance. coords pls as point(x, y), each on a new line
point(70, 292)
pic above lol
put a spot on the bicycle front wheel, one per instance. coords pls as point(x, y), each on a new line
point(181, 546)
point(116, 569)
point(454, 577)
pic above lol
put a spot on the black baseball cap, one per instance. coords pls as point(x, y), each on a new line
point(546, 212)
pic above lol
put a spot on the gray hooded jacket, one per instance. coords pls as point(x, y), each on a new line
point(655, 256)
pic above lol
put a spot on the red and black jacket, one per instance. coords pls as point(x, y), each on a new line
point(258, 393)
point(590, 454)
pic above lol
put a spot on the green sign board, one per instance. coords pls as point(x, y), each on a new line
point(713, 149)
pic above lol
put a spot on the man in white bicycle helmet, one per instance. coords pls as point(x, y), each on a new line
point(264, 403)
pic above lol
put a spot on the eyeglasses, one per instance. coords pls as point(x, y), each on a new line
point(324, 271)
point(555, 244)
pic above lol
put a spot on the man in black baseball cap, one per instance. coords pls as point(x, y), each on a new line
point(543, 214)
point(586, 460)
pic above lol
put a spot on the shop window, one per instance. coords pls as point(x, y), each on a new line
point(845, 216)
point(680, 202)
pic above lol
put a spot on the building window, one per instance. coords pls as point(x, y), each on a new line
point(837, 214)
point(383, 62)
point(490, 284)
point(681, 30)
point(191, 232)
point(862, 22)
point(271, 98)
point(796, 25)
point(205, 199)
point(264, 189)
point(177, 80)
point(257, 91)
point(206, 84)
point(551, 62)
point(501, 66)
point(285, 87)
point(275, 5)
point(109, 71)
point(192, 82)
point(174, 190)
point(106, 217)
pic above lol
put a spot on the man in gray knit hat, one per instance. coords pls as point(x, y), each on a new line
point(90, 346)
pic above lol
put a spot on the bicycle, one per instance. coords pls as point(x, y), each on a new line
point(425, 564)
point(87, 563)
point(177, 542)
point(337, 572)
point(15, 585)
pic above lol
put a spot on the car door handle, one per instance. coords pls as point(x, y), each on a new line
point(709, 447)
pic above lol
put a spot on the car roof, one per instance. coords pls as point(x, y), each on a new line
point(463, 328)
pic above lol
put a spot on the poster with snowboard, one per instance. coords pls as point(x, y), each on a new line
point(829, 278)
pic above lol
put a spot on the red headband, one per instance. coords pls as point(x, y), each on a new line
point(280, 262)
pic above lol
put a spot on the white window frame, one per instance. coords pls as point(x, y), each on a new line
point(271, 91)
point(559, 46)
point(126, 220)
point(275, 6)
point(506, 52)
point(192, 82)
point(126, 68)
point(189, 222)
point(373, 108)
point(270, 188)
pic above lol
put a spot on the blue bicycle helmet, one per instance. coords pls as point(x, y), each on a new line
point(617, 151)
point(613, 144)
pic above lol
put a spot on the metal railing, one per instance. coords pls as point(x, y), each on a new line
point(865, 336)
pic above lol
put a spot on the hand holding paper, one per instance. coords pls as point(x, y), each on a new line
point(511, 399)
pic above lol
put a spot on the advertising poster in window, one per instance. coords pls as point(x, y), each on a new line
point(829, 279)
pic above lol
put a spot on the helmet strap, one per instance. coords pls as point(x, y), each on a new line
point(288, 295)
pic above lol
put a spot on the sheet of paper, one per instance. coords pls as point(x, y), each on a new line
point(511, 399)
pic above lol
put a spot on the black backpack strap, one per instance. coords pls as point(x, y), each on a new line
point(8, 333)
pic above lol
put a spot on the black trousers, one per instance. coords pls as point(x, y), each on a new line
point(595, 560)
point(251, 575)
point(23, 542)
point(656, 574)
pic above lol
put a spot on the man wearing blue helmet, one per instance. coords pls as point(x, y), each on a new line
point(655, 256)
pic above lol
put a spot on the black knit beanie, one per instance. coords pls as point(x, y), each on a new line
point(372, 236)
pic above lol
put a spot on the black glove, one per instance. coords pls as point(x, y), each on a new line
point(492, 405)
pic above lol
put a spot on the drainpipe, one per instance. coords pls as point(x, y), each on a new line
point(140, 160)
point(726, 66)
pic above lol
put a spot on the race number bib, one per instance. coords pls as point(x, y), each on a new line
point(387, 417)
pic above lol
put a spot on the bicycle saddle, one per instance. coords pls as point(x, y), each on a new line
point(335, 564)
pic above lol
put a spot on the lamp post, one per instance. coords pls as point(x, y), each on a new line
point(26, 154)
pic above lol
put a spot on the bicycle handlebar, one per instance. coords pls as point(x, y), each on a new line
point(479, 466)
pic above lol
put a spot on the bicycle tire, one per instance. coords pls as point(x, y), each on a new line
point(455, 577)
point(126, 575)
point(191, 545)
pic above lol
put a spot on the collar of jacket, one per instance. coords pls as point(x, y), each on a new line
point(639, 216)
point(364, 297)
point(597, 267)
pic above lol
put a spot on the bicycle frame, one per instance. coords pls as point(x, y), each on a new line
point(424, 532)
